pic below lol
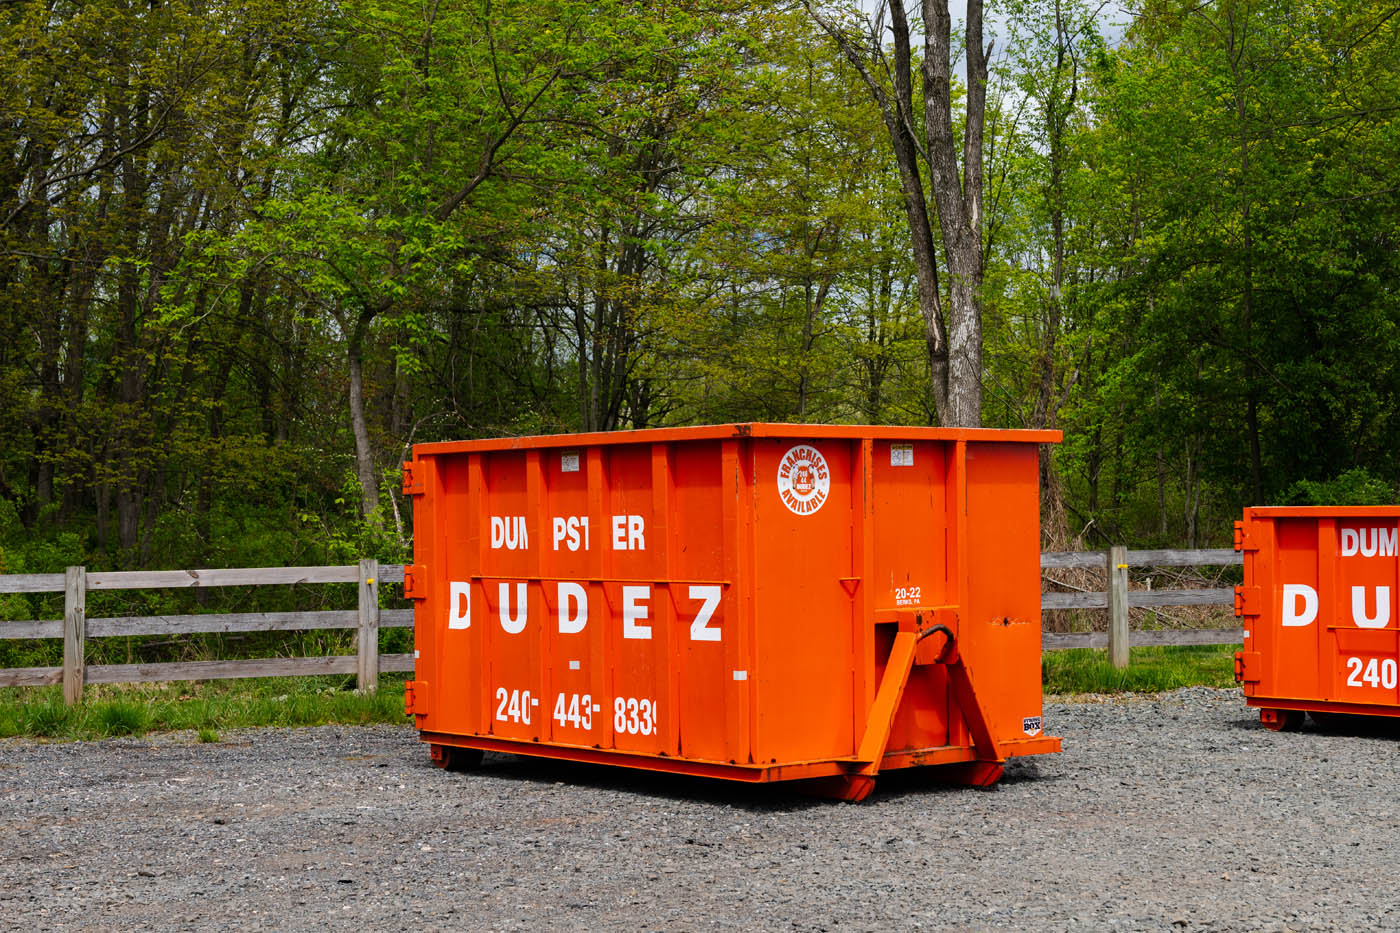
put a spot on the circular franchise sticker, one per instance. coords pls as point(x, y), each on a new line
point(803, 479)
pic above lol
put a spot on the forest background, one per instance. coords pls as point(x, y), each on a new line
point(252, 251)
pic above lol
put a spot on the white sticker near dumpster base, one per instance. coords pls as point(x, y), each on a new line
point(1031, 726)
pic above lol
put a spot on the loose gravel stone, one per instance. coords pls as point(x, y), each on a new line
point(1176, 812)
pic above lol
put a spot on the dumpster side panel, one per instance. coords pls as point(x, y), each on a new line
point(804, 625)
point(708, 618)
point(1304, 564)
point(570, 528)
point(512, 602)
point(634, 621)
point(1000, 630)
point(911, 554)
point(1364, 668)
point(454, 598)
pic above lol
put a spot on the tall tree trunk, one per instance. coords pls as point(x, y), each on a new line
point(953, 338)
point(959, 200)
point(359, 425)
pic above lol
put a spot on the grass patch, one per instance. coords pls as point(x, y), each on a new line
point(48, 718)
point(207, 708)
point(120, 717)
point(1149, 670)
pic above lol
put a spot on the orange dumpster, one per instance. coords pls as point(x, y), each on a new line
point(756, 602)
point(1318, 604)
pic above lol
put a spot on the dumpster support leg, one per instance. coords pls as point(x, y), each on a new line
point(858, 784)
point(987, 769)
point(877, 728)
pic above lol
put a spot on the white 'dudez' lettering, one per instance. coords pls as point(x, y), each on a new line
point(513, 609)
point(514, 624)
point(633, 611)
point(572, 596)
point(457, 594)
point(1358, 607)
point(1292, 615)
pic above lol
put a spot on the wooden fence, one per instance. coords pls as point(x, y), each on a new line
point(1118, 599)
point(367, 619)
point(75, 627)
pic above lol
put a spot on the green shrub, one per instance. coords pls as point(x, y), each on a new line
point(1354, 487)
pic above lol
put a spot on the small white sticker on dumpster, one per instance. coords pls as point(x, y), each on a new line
point(568, 462)
point(1031, 726)
point(901, 455)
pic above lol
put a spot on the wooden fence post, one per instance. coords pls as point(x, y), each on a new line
point(1118, 605)
point(367, 636)
point(74, 633)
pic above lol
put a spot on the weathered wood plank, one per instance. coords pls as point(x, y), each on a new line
point(396, 663)
point(45, 628)
point(219, 670)
point(1141, 599)
point(1216, 596)
point(1169, 557)
point(1073, 601)
point(31, 583)
point(1071, 560)
point(211, 622)
point(31, 676)
point(391, 573)
point(107, 627)
point(1058, 641)
point(1190, 636)
point(242, 576)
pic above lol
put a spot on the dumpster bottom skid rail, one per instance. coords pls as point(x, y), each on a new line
point(980, 763)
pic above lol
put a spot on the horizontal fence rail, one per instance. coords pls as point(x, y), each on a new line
point(367, 618)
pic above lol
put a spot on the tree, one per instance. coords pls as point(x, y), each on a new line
point(929, 139)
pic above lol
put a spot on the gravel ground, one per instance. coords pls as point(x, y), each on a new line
point(1171, 812)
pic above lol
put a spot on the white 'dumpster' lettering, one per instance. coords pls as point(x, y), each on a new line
point(1358, 607)
point(514, 624)
point(1292, 616)
point(459, 593)
point(509, 532)
point(1369, 542)
point(572, 596)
